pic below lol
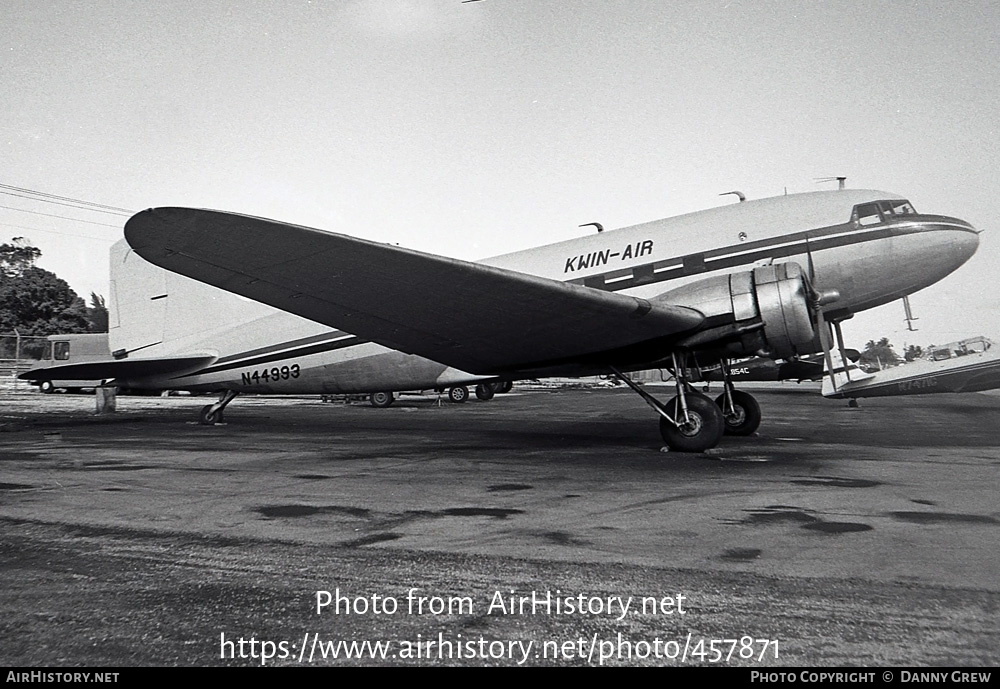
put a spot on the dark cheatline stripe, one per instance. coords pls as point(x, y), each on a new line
point(283, 345)
point(737, 255)
point(348, 341)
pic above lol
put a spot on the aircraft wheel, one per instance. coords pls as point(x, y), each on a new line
point(745, 418)
point(504, 386)
point(703, 430)
point(381, 400)
point(458, 394)
point(46, 386)
point(484, 391)
point(208, 417)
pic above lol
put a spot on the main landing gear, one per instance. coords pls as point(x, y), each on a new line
point(740, 410)
point(691, 421)
point(211, 414)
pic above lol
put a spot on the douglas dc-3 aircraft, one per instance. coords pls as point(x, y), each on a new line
point(298, 310)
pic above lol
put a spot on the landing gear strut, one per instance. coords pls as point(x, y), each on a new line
point(740, 410)
point(690, 422)
point(211, 414)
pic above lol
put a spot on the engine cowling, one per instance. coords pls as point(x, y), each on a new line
point(765, 311)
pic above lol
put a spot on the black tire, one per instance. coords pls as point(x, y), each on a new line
point(209, 418)
point(47, 387)
point(458, 394)
point(504, 386)
point(746, 417)
point(704, 429)
point(381, 400)
point(484, 391)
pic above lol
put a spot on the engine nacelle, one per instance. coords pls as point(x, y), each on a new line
point(765, 311)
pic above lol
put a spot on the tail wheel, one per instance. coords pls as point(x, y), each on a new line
point(208, 417)
point(745, 417)
point(484, 391)
point(381, 400)
point(702, 430)
point(458, 394)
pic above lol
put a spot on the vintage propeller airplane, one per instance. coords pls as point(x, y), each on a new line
point(292, 309)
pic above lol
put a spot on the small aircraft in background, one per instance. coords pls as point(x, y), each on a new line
point(241, 303)
point(970, 365)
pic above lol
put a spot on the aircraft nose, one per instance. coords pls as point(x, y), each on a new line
point(964, 242)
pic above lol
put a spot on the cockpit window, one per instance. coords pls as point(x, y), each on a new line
point(866, 214)
point(977, 346)
point(896, 207)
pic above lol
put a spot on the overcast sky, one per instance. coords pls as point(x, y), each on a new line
point(481, 128)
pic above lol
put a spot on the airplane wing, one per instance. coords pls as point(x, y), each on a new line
point(120, 368)
point(477, 318)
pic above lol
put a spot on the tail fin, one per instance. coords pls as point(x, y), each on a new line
point(156, 313)
point(843, 373)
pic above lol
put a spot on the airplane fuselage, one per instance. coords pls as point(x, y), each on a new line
point(843, 240)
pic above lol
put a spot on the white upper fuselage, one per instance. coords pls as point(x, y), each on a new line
point(869, 265)
point(869, 260)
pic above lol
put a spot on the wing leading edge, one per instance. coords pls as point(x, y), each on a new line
point(477, 318)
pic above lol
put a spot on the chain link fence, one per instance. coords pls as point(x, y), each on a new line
point(18, 353)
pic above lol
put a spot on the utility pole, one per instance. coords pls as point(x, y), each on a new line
point(17, 357)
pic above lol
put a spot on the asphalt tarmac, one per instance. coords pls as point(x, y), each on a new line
point(835, 536)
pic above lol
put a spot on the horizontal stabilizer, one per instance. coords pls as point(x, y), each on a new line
point(121, 368)
point(473, 317)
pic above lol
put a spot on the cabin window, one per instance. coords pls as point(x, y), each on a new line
point(60, 351)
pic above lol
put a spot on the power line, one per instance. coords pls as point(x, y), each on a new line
point(62, 203)
point(64, 217)
point(65, 198)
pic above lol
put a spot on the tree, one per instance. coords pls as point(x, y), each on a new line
point(913, 352)
point(17, 257)
point(878, 355)
point(97, 314)
point(38, 302)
